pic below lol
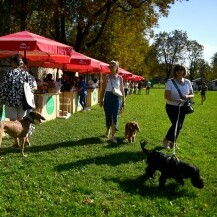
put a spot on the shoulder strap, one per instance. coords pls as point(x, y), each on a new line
point(111, 81)
point(176, 86)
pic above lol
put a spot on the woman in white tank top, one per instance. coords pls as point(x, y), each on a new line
point(112, 103)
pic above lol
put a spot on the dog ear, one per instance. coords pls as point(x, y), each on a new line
point(128, 126)
point(135, 127)
point(132, 126)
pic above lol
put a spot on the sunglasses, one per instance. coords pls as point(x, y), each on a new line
point(180, 70)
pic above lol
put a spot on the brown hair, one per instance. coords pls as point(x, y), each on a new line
point(177, 68)
point(17, 60)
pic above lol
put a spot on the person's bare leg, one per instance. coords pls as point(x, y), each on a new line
point(107, 132)
point(113, 132)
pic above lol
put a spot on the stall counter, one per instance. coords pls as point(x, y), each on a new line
point(69, 101)
point(92, 97)
point(47, 104)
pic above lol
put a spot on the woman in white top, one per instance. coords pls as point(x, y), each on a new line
point(173, 100)
point(111, 102)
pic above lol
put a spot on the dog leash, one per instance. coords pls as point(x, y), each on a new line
point(175, 132)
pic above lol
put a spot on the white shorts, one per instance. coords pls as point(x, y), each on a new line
point(14, 112)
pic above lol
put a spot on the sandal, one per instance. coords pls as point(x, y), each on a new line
point(106, 135)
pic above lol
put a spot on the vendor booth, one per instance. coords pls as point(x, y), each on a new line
point(69, 102)
point(49, 105)
point(92, 97)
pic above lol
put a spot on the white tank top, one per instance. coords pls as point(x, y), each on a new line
point(112, 83)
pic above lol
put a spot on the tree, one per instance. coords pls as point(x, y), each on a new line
point(194, 53)
point(213, 74)
point(155, 70)
point(91, 17)
point(125, 43)
point(79, 23)
point(170, 48)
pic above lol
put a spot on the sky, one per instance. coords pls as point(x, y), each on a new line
point(198, 18)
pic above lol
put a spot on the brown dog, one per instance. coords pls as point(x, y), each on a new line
point(20, 129)
point(131, 128)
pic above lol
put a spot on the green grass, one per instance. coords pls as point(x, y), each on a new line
point(72, 171)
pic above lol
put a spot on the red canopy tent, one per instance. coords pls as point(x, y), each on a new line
point(135, 78)
point(44, 52)
point(124, 73)
point(33, 47)
point(82, 63)
point(105, 70)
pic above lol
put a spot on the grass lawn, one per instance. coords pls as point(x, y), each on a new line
point(72, 171)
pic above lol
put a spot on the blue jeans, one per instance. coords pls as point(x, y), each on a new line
point(83, 100)
point(112, 108)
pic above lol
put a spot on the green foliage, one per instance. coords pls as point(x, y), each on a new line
point(125, 43)
point(170, 47)
point(72, 171)
point(195, 53)
point(213, 75)
point(84, 19)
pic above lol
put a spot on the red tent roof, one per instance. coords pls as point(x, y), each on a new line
point(30, 43)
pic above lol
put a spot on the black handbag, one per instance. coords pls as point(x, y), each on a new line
point(187, 106)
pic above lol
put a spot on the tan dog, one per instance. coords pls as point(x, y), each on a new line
point(131, 129)
point(20, 129)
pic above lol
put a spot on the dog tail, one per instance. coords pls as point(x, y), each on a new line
point(143, 143)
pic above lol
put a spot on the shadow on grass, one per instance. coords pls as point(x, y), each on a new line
point(138, 186)
point(50, 147)
point(114, 159)
point(6, 149)
point(120, 142)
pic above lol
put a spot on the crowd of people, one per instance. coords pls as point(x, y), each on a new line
point(112, 101)
point(135, 87)
point(12, 91)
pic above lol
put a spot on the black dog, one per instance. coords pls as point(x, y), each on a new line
point(170, 167)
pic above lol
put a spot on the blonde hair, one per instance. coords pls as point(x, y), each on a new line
point(116, 63)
